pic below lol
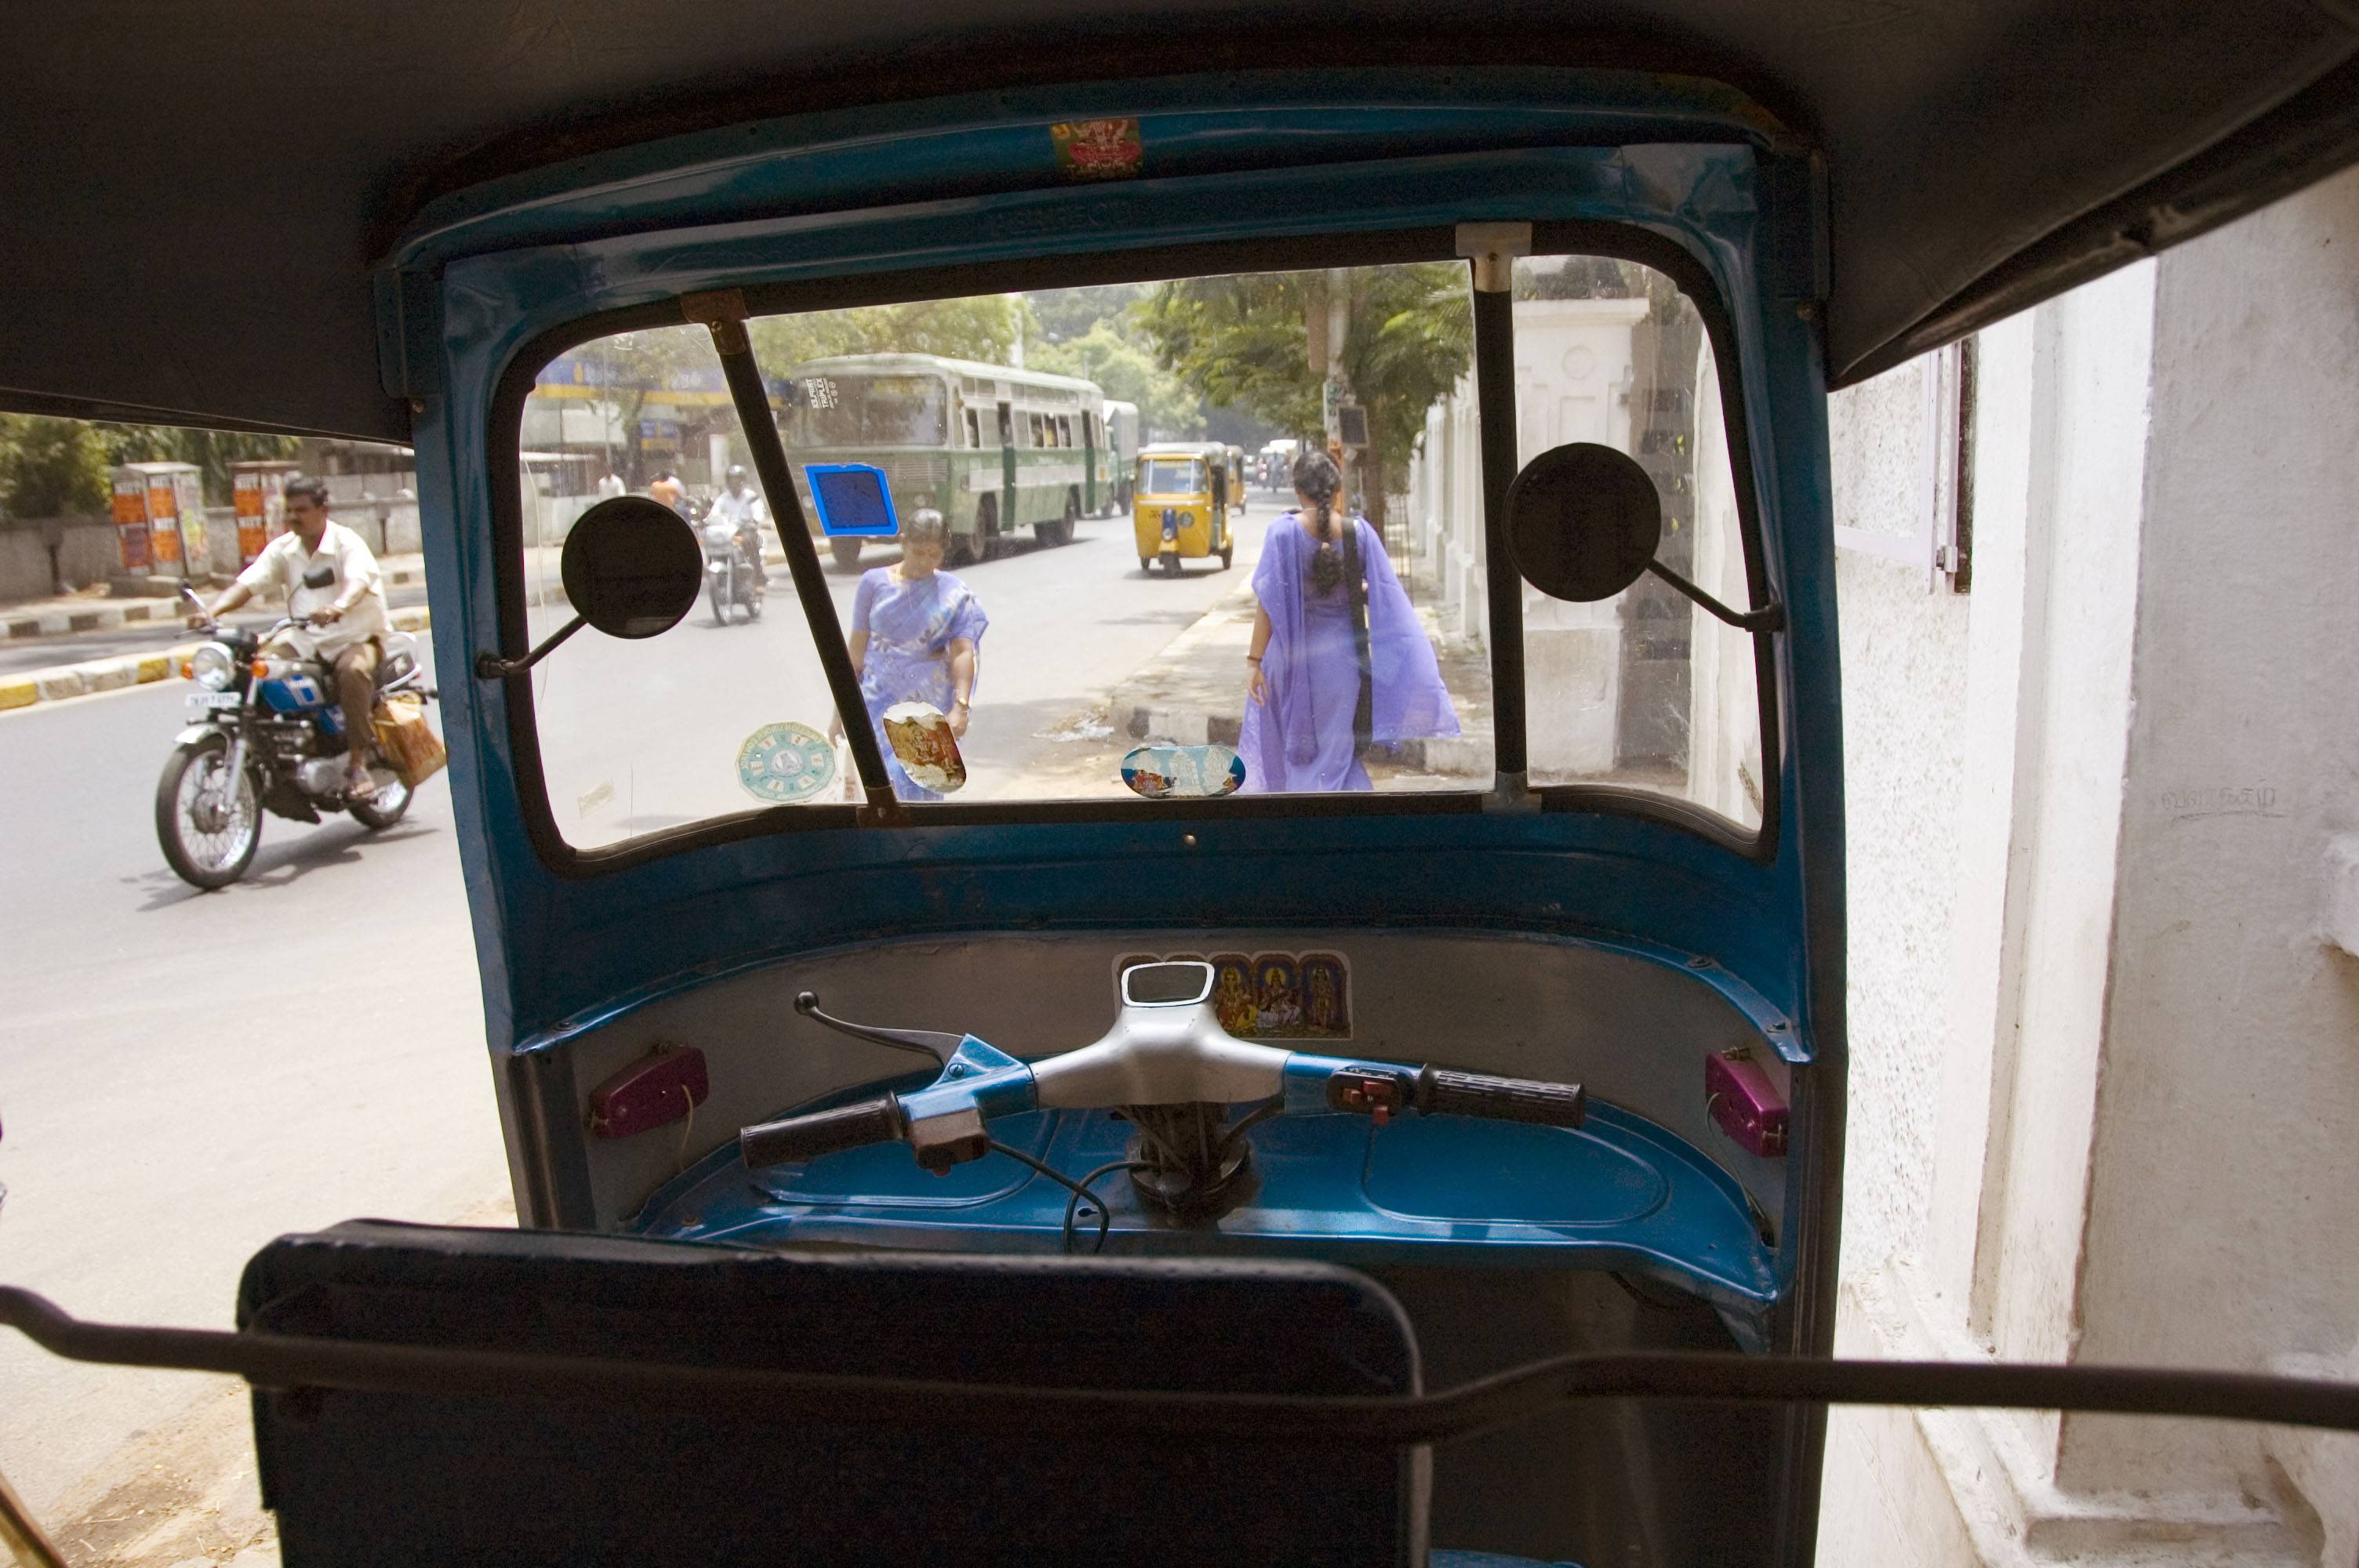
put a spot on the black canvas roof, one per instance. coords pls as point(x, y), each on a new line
point(192, 196)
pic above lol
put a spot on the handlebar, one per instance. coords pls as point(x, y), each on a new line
point(1380, 1090)
point(818, 1132)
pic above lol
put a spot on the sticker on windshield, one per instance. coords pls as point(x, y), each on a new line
point(1183, 772)
point(1099, 149)
point(921, 736)
point(782, 764)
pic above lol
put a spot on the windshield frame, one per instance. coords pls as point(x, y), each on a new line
point(1064, 270)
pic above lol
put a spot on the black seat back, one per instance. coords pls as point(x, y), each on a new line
point(361, 1478)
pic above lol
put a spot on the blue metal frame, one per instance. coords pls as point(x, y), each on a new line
point(490, 272)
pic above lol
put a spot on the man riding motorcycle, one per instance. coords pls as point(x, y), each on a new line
point(331, 585)
point(741, 507)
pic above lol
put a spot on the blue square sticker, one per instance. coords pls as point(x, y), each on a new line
point(853, 500)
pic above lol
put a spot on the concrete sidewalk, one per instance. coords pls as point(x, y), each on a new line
point(94, 611)
point(1194, 693)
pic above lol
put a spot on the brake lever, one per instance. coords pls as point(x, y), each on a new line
point(925, 1042)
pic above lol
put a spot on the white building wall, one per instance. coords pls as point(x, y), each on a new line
point(2106, 1061)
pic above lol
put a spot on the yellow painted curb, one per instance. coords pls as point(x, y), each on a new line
point(155, 666)
point(18, 693)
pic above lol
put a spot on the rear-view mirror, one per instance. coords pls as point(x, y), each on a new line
point(632, 568)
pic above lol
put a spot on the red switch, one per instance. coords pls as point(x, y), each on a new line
point(653, 1091)
point(1745, 1102)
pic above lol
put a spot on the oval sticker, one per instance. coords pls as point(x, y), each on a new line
point(1183, 772)
point(782, 764)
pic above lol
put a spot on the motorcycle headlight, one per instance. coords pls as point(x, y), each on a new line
point(212, 665)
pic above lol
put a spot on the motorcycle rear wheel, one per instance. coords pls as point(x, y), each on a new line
point(203, 858)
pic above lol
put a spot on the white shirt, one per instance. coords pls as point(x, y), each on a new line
point(357, 586)
point(610, 486)
point(738, 510)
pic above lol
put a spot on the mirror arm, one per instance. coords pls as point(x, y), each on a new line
point(491, 667)
point(723, 311)
point(1770, 617)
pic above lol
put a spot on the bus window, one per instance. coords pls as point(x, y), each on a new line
point(973, 428)
point(1064, 429)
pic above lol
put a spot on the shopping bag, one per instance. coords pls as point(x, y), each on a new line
point(408, 741)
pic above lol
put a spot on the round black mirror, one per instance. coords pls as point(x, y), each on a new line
point(633, 567)
point(1583, 521)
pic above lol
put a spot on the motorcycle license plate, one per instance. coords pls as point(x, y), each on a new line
point(212, 701)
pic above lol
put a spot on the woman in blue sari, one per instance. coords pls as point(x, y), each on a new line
point(917, 636)
point(1339, 660)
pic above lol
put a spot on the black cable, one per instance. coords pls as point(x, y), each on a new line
point(1078, 1189)
point(1274, 1106)
point(1106, 1214)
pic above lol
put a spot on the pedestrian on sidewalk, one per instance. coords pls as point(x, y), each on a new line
point(334, 589)
point(916, 636)
point(1339, 660)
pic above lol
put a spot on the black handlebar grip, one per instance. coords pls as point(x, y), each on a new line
point(1444, 1093)
point(822, 1133)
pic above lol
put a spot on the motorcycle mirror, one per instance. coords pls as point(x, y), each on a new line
point(632, 568)
point(1583, 523)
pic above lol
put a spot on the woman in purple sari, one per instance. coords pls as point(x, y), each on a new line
point(916, 636)
point(1339, 660)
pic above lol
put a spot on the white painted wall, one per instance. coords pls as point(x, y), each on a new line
point(2105, 1059)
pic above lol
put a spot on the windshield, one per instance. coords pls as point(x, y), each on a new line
point(835, 408)
point(1024, 628)
point(1170, 476)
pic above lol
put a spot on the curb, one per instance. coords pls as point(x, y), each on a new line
point(95, 676)
point(106, 616)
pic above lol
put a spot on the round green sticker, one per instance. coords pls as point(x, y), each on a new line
point(782, 764)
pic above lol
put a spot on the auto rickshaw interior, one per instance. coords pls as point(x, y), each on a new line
point(1547, 1050)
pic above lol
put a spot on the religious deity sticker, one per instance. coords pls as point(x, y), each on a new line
point(782, 764)
point(1098, 149)
point(1273, 996)
point(921, 736)
point(1183, 772)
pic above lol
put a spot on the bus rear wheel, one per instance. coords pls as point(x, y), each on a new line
point(1061, 530)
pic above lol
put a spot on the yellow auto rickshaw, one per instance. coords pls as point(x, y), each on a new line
point(1181, 505)
point(1238, 485)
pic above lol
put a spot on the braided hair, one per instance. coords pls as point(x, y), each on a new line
point(1316, 478)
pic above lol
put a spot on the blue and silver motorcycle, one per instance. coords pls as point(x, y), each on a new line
point(265, 733)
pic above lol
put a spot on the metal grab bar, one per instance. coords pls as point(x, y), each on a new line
point(1521, 1393)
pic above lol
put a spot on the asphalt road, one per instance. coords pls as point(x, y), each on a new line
point(185, 1075)
point(638, 736)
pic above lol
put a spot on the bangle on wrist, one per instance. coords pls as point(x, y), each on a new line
point(1253, 658)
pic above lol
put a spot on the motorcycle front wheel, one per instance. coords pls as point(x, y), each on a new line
point(209, 825)
point(718, 596)
point(383, 809)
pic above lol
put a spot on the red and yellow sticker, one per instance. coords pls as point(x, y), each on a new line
point(1098, 149)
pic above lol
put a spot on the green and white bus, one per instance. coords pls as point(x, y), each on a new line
point(994, 449)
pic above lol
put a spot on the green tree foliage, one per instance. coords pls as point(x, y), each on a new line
point(50, 468)
point(985, 327)
point(60, 468)
point(1127, 372)
point(1243, 340)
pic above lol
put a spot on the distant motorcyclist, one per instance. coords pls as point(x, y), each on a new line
point(740, 506)
point(339, 620)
